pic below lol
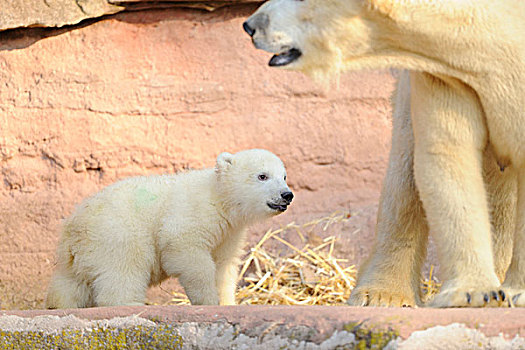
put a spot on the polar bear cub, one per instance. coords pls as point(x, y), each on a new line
point(137, 232)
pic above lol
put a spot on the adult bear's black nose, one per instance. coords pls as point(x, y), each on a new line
point(287, 196)
point(248, 29)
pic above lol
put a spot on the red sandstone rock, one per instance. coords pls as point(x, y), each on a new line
point(58, 13)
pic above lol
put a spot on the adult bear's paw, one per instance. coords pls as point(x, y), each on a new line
point(379, 296)
point(472, 297)
point(516, 295)
point(518, 298)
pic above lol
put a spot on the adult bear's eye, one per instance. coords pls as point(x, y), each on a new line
point(284, 177)
point(262, 177)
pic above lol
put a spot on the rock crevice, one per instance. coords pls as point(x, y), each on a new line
point(58, 13)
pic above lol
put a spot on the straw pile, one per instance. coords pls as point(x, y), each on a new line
point(430, 286)
point(307, 273)
point(310, 275)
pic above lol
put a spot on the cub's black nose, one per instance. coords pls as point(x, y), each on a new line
point(248, 29)
point(287, 196)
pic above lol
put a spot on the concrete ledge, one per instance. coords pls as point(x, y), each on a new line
point(322, 327)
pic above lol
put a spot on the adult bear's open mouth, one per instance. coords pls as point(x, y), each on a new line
point(278, 207)
point(285, 58)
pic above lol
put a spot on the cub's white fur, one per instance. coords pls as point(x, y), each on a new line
point(137, 232)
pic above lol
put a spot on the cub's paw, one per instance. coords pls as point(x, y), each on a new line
point(202, 298)
point(471, 297)
point(366, 296)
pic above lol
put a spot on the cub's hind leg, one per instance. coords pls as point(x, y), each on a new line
point(121, 267)
point(67, 288)
point(67, 292)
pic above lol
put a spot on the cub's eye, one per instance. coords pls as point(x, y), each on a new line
point(284, 177)
point(262, 177)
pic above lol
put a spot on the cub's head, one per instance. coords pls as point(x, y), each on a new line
point(312, 36)
point(252, 184)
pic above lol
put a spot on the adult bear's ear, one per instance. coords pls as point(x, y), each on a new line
point(224, 161)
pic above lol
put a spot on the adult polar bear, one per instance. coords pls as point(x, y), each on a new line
point(458, 132)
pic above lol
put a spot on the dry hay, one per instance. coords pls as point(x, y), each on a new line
point(310, 275)
point(430, 286)
point(307, 275)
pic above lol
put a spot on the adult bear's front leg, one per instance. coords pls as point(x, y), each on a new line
point(450, 136)
point(391, 275)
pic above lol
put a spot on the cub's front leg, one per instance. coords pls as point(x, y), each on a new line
point(450, 136)
point(226, 257)
point(195, 268)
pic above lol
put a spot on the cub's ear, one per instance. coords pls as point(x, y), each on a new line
point(224, 161)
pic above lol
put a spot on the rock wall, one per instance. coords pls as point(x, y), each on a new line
point(159, 91)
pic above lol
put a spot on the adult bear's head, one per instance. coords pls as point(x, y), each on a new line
point(322, 38)
point(252, 184)
point(310, 35)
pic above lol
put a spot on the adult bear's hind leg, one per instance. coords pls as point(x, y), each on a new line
point(515, 278)
point(450, 138)
point(391, 275)
point(501, 181)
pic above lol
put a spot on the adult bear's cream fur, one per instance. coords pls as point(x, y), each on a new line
point(457, 165)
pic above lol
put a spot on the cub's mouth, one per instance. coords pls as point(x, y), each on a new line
point(277, 207)
point(285, 58)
